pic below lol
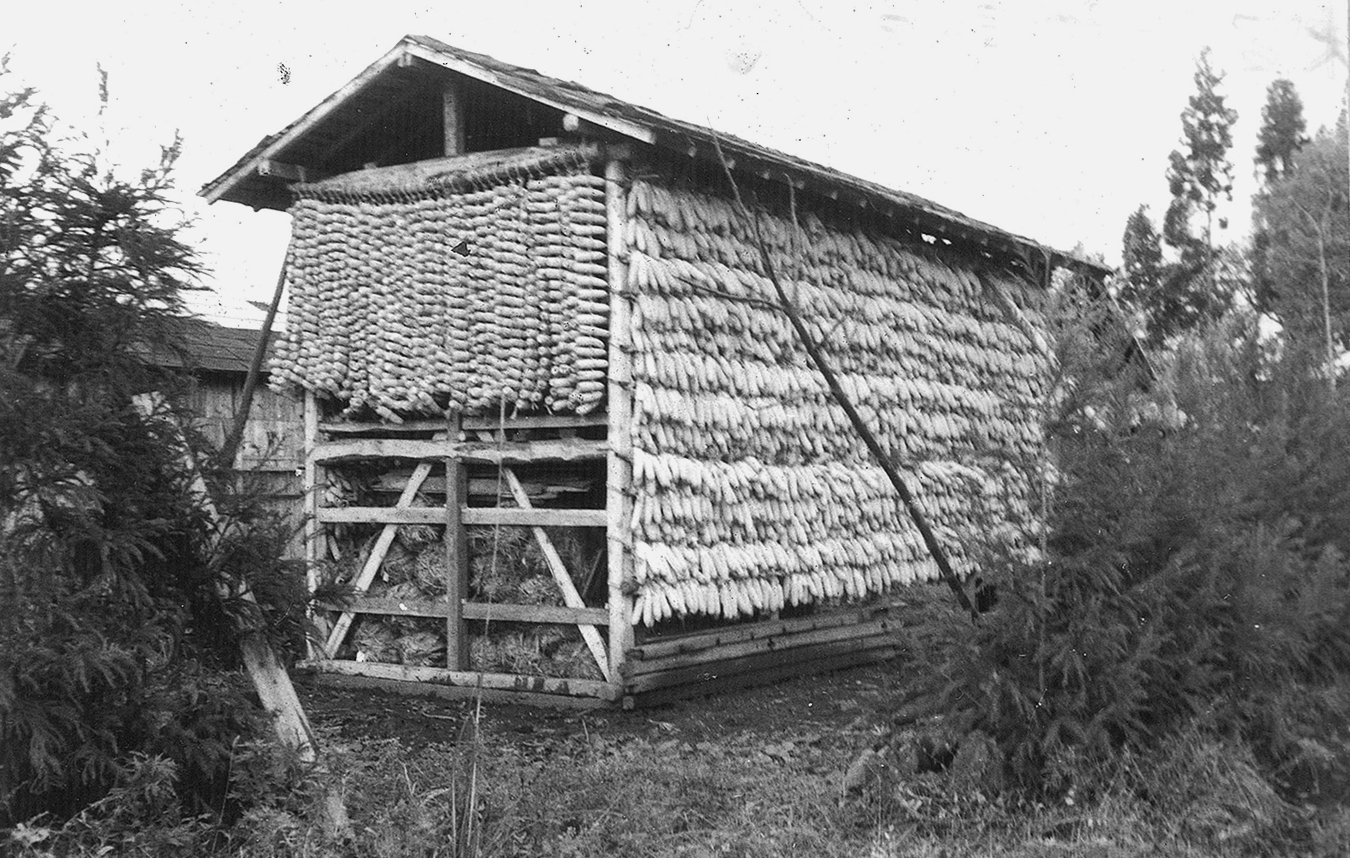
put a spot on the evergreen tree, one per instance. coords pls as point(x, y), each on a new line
point(1141, 263)
point(1282, 127)
point(1199, 178)
point(1301, 253)
point(114, 640)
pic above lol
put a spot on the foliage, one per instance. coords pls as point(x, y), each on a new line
point(114, 632)
point(1282, 131)
point(1189, 291)
point(1302, 243)
point(1141, 266)
point(1195, 568)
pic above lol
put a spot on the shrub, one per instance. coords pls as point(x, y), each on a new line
point(114, 635)
point(1194, 569)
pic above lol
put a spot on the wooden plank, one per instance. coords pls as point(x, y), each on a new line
point(382, 515)
point(536, 421)
point(535, 517)
point(309, 488)
point(857, 631)
point(375, 558)
point(535, 614)
point(558, 450)
point(754, 663)
point(565, 687)
point(736, 682)
point(458, 692)
point(452, 117)
point(497, 612)
point(456, 559)
point(619, 463)
point(398, 607)
point(282, 170)
point(544, 487)
point(470, 423)
point(752, 631)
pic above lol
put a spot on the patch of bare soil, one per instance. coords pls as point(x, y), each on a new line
point(845, 703)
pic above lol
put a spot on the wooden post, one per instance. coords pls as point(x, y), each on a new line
point(619, 462)
point(452, 112)
point(456, 556)
point(273, 684)
point(310, 497)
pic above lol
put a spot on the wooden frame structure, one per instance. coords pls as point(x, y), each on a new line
point(646, 672)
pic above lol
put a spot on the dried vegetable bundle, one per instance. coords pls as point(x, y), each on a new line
point(385, 316)
point(506, 567)
point(752, 491)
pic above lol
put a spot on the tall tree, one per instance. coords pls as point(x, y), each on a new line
point(1301, 258)
point(1282, 127)
point(1141, 264)
point(1199, 179)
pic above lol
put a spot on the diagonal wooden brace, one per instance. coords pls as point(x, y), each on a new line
point(559, 569)
point(377, 553)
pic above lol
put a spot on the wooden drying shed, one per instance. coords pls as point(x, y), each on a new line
point(521, 306)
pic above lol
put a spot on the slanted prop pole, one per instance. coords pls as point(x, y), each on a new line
point(619, 461)
point(231, 445)
point(270, 679)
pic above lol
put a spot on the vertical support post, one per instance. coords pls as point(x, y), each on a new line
point(452, 113)
point(619, 462)
point(456, 555)
point(310, 494)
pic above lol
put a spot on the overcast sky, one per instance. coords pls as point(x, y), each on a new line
point(1054, 123)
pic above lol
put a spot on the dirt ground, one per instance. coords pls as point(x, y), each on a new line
point(849, 703)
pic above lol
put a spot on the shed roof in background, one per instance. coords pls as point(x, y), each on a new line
point(313, 146)
point(214, 348)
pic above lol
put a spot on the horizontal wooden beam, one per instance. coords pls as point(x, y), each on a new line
point(382, 515)
point(410, 427)
point(551, 614)
point(459, 692)
point(753, 631)
point(852, 631)
point(734, 682)
point(282, 170)
point(537, 517)
point(394, 607)
point(468, 679)
point(558, 450)
point(695, 675)
point(554, 614)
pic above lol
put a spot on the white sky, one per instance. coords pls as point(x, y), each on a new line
point(1054, 123)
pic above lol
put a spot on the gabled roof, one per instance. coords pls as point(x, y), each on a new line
point(211, 347)
point(417, 63)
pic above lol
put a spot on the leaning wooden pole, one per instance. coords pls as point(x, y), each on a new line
point(270, 679)
point(231, 444)
point(619, 460)
point(789, 307)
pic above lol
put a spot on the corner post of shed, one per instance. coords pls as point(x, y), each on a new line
point(619, 463)
point(310, 494)
point(456, 550)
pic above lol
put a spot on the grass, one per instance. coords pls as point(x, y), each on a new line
point(759, 773)
point(661, 793)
